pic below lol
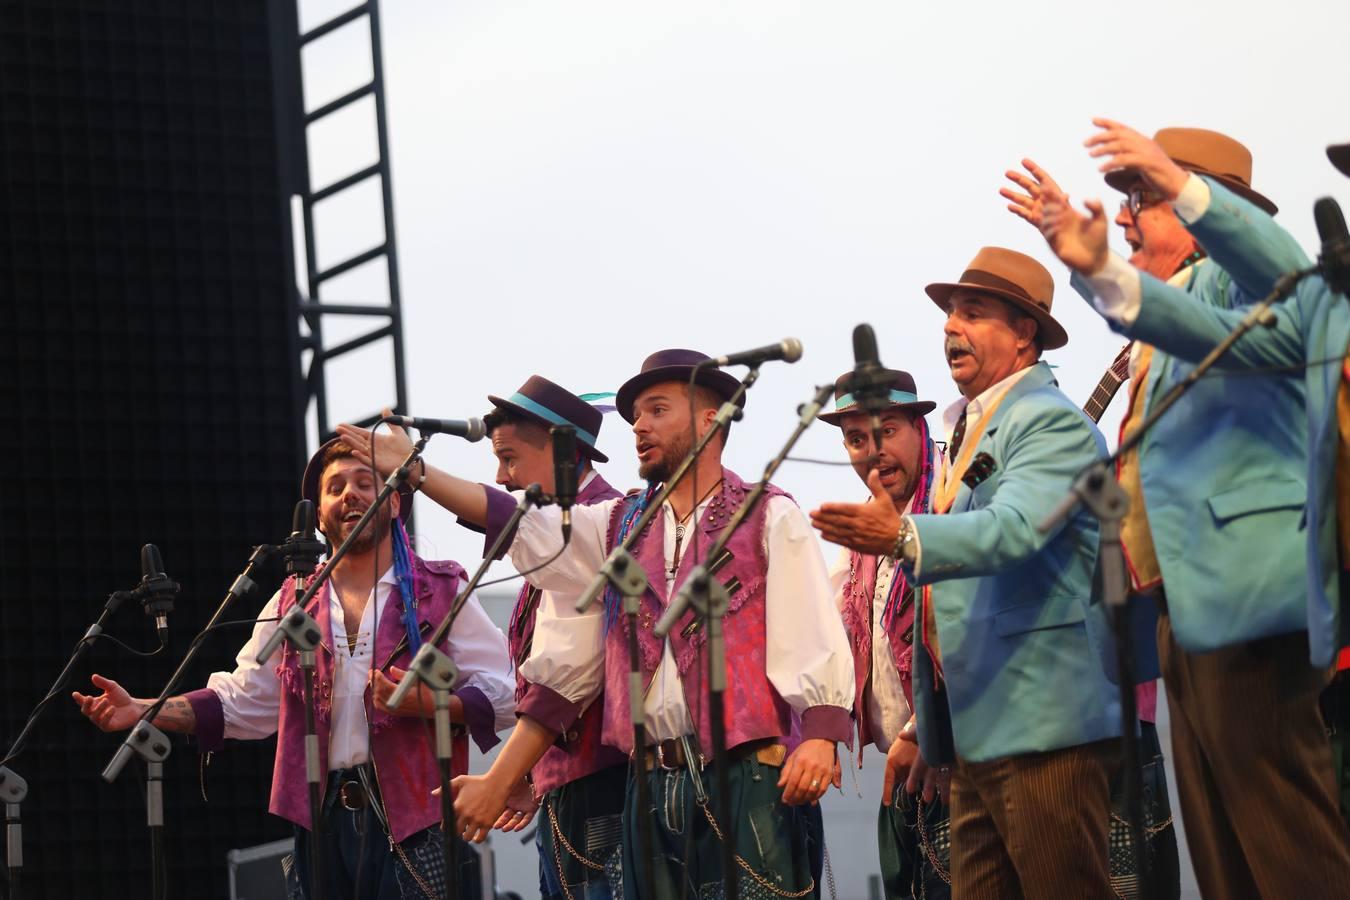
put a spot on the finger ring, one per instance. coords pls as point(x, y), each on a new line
point(815, 783)
point(945, 769)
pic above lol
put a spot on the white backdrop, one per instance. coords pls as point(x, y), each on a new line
point(577, 184)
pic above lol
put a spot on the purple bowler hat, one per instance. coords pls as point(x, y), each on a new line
point(674, 365)
point(903, 396)
point(542, 401)
point(309, 482)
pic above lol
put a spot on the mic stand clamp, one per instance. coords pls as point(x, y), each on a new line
point(299, 629)
point(153, 746)
point(435, 669)
point(13, 790)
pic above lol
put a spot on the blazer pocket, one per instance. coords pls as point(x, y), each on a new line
point(1257, 496)
point(1037, 615)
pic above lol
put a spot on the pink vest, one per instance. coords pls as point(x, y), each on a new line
point(405, 763)
point(759, 712)
point(579, 751)
point(858, 615)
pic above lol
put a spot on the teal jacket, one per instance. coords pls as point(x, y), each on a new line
point(1309, 342)
point(1022, 633)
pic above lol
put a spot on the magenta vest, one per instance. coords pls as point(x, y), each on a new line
point(759, 712)
point(579, 751)
point(858, 615)
point(405, 763)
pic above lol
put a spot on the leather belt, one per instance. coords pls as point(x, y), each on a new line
point(671, 754)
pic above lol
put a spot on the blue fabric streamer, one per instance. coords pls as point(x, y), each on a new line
point(403, 574)
point(636, 505)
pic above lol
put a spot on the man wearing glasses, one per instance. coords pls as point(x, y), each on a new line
point(1222, 482)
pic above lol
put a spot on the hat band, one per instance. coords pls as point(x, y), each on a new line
point(990, 280)
point(544, 412)
point(847, 400)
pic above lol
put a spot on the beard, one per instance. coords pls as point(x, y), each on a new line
point(672, 453)
point(335, 530)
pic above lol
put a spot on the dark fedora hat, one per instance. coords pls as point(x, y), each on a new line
point(309, 482)
point(1339, 154)
point(1014, 277)
point(544, 402)
point(674, 365)
point(903, 396)
point(1204, 153)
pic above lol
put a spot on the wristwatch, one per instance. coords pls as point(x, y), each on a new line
point(906, 549)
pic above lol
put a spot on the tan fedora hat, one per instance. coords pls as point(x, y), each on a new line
point(1204, 153)
point(1014, 277)
point(1339, 154)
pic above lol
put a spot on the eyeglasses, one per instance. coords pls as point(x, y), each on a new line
point(1139, 198)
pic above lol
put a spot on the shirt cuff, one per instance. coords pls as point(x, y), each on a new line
point(549, 708)
point(1193, 201)
point(500, 506)
point(825, 722)
point(210, 717)
point(1116, 290)
point(479, 717)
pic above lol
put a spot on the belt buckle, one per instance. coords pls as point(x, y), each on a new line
point(353, 797)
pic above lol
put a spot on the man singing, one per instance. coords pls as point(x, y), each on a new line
point(380, 822)
point(1008, 621)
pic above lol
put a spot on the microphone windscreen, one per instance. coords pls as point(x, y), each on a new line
point(302, 520)
point(152, 564)
point(1330, 221)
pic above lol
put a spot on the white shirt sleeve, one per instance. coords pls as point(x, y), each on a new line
point(1193, 201)
point(567, 654)
point(807, 654)
point(838, 576)
point(479, 650)
point(1116, 289)
point(250, 696)
point(539, 537)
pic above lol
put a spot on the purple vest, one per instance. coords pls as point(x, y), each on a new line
point(858, 614)
point(759, 712)
point(405, 764)
point(579, 751)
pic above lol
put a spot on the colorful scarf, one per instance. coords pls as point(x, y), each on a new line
point(636, 505)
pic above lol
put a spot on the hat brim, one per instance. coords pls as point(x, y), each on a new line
point(1052, 334)
point(1339, 154)
point(919, 407)
point(309, 484)
point(714, 379)
point(586, 449)
point(1121, 179)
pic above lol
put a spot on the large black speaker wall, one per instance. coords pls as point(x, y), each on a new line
point(150, 394)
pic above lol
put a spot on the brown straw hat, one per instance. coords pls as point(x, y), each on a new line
point(1339, 154)
point(1014, 277)
point(1204, 153)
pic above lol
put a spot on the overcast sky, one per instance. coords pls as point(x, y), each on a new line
point(578, 184)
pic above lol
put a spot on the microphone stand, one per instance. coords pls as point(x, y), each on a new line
point(622, 571)
point(153, 746)
point(13, 788)
point(1097, 489)
point(709, 598)
point(432, 665)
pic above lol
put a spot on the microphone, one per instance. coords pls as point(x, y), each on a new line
point(156, 591)
point(870, 387)
point(1334, 261)
point(564, 473)
point(788, 350)
point(469, 429)
point(302, 548)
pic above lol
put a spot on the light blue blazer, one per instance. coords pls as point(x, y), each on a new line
point(1021, 630)
point(1309, 341)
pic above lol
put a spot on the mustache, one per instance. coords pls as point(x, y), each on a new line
point(956, 343)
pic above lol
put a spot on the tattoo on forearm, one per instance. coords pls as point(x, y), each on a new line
point(177, 715)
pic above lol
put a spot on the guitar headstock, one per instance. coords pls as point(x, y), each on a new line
point(1120, 366)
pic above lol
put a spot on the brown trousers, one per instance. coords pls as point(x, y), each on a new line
point(1035, 825)
point(1253, 766)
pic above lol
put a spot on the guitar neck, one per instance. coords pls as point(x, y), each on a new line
point(1102, 395)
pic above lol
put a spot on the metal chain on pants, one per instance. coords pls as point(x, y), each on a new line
point(740, 860)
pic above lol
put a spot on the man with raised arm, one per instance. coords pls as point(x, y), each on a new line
point(1267, 817)
point(380, 823)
